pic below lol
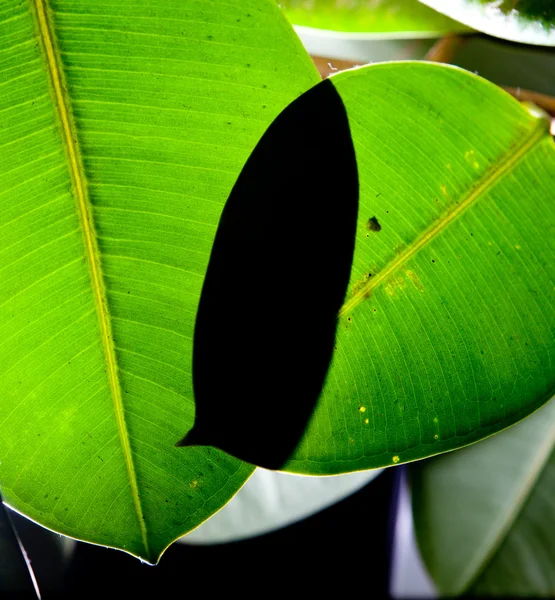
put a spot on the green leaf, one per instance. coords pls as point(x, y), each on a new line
point(123, 128)
point(384, 18)
point(484, 516)
point(526, 21)
point(447, 332)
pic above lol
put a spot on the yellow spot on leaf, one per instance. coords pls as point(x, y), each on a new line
point(393, 284)
point(362, 409)
point(471, 158)
point(414, 278)
point(517, 247)
point(444, 189)
point(396, 459)
point(366, 421)
point(194, 484)
point(436, 437)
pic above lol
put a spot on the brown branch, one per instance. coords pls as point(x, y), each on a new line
point(446, 48)
point(443, 51)
point(543, 101)
point(328, 66)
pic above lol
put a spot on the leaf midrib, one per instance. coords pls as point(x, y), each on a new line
point(501, 167)
point(84, 209)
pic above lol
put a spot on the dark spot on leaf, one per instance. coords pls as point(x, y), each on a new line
point(373, 224)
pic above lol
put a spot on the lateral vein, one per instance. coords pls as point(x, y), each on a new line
point(506, 163)
point(91, 249)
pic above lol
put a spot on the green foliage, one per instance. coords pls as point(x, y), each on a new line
point(447, 331)
point(168, 100)
point(123, 130)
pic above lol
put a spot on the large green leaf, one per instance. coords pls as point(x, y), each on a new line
point(527, 21)
point(484, 516)
point(123, 128)
point(447, 332)
point(385, 18)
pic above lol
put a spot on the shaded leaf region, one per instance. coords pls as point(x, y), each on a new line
point(277, 277)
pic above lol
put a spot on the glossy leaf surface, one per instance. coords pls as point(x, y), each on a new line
point(447, 332)
point(123, 128)
point(384, 18)
point(484, 515)
point(526, 21)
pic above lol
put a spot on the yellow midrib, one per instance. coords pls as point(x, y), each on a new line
point(91, 249)
point(505, 164)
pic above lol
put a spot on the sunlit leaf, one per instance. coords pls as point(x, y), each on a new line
point(447, 332)
point(123, 128)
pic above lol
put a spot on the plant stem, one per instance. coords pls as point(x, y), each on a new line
point(446, 48)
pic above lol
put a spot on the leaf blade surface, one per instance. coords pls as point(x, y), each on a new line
point(163, 105)
point(451, 172)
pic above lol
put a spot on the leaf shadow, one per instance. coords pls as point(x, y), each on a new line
point(277, 277)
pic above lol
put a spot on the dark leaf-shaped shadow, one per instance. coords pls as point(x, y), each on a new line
point(277, 276)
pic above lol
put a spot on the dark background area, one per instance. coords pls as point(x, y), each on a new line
point(342, 550)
